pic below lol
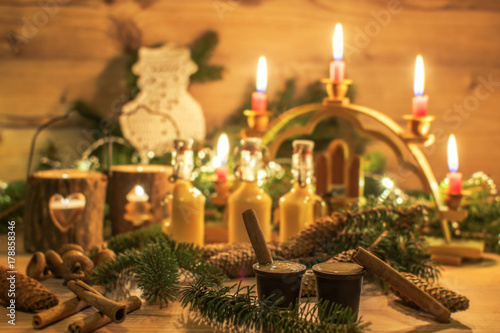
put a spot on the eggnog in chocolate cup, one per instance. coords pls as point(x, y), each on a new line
point(339, 283)
point(279, 279)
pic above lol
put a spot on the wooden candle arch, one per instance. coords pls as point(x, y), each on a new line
point(396, 138)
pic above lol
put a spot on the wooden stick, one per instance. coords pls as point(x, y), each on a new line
point(386, 273)
point(99, 319)
point(257, 237)
point(61, 311)
point(112, 309)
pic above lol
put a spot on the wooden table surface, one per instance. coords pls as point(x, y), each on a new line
point(479, 281)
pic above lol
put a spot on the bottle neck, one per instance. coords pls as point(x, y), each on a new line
point(183, 165)
point(250, 165)
point(303, 168)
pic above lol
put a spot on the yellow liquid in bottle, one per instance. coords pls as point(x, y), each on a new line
point(187, 219)
point(248, 196)
point(297, 210)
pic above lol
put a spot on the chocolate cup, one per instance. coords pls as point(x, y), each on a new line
point(273, 285)
point(338, 288)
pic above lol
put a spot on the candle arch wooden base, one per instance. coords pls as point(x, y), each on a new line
point(387, 131)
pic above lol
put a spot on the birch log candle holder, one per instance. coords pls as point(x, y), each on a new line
point(64, 206)
point(123, 178)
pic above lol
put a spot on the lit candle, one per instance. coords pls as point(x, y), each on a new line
point(222, 157)
point(137, 195)
point(66, 203)
point(454, 177)
point(337, 66)
point(420, 102)
point(259, 97)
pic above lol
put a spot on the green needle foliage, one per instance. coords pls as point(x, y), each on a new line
point(155, 269)
point(237, 307)
point(157, 274)
point(155, 261)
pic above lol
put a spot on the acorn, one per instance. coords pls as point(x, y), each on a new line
point(54, 263)
point(37, 267)
point(68, 247)
point(103, 256)
point(76, 265)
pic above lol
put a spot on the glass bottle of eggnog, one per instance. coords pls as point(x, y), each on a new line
point(186, 204)
point(248, 195)
point(301, 206)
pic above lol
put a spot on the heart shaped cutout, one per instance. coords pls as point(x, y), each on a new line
point(65, 212)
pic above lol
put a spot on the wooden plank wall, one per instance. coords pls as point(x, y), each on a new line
point(78, 53)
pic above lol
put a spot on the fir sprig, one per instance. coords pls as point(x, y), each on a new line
point(155, 269)
point(237, 307)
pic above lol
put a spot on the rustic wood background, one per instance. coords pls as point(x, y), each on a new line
point(76, 51)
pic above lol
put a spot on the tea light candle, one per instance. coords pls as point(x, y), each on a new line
point(67, 203)
point(259, 97)
point(137, 195)
point(420, 102)
point(222, 157)
point(454, 177)
point(337, 66)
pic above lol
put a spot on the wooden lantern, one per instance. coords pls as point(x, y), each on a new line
point(152, 178)
point(64, 206)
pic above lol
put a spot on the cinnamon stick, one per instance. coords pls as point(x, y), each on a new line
point(62, 310)
point(112, 309)
point(99, 319)
point(386, 273)
point(257, 237)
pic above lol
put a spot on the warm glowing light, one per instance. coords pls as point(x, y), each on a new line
point(419, 79)
point(387, 183)
point(223, 148)
point(338, 43)
point(452, 154)
point(139, 191)
point(262, 75)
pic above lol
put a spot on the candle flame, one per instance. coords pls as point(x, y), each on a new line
point(223, 148)
point(419, 79)
point(452, 154)
point(139, 191)
point(338, 43)
point(262, 75)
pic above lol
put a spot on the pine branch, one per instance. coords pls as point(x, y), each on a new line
point(201, 52)
point(238, 308)
point(157, 273)
point(136, 239)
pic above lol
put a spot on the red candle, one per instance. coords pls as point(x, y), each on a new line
point(337, 66)
point(454, 177)
point(259, 97)
point(420, 102)
point(222, 171)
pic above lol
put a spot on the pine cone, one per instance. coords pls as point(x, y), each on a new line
point(235, 263)
point(30, 295)
point(343, 256)
point(450, 299)
point(211, 250)
point(315, 236)
point(308, 284)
